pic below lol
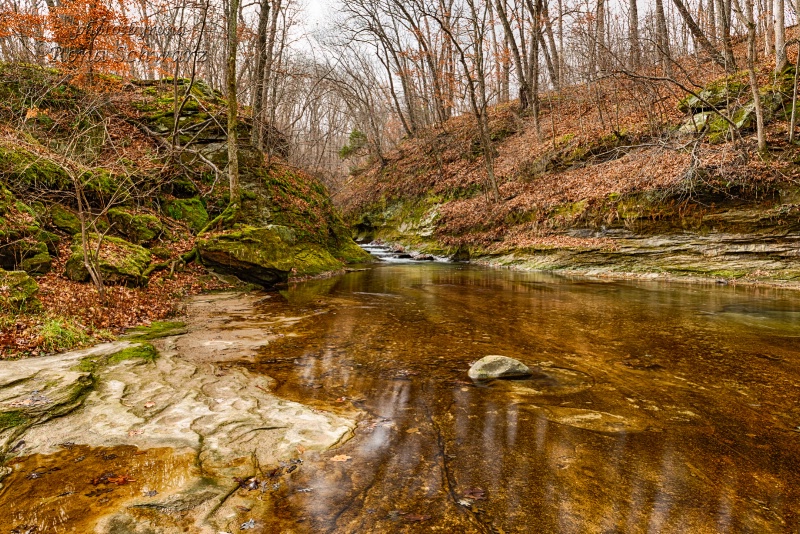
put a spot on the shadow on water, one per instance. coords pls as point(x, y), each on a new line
point(653, 407)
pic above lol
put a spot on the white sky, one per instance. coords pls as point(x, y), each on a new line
point(317, 12)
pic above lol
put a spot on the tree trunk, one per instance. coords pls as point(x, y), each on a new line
point(780, 35)
point(633, 35)
point(712, 22)
point(599, 37)
point(261, 62)
point(233, 105)
point(662, 38)
point(748, 19)
point(699, 37)
point(724, 28)
point(523, 82)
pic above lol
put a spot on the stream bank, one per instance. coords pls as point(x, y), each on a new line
point(118, 439)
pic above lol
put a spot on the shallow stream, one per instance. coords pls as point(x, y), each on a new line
point(655, 407)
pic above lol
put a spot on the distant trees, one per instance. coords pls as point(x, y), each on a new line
point(390, 68)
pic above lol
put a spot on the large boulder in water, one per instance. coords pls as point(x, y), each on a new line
point(494, 366)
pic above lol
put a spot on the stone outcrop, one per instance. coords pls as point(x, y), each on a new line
point(265, 256)
point(120, 262)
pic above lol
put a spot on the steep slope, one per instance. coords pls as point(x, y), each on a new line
point(113, 175)
point(625, 176)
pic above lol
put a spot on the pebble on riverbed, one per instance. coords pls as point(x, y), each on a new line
point(495, 366)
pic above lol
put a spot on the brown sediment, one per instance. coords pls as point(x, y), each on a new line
point(72, 489)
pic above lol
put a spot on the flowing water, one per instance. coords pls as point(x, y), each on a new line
point(655, 407)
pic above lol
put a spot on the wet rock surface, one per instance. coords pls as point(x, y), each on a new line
point(495, 366)
point(221, 423)
point(653, 407)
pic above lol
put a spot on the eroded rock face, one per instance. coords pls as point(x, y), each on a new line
point(265, 256)
point(199, 417)
point(495, 366)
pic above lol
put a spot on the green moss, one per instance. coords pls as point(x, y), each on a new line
point(32, 171)
point(120, 262)
point(39, 263)
point(18, 292)
point(144, 351)
point(103, 182)
point(157, 329)
point(64, 220)
point(717, 94)
point(349, 252)
point(13, 418)
point(190, 210)
point(266, 255)
point(136, 227)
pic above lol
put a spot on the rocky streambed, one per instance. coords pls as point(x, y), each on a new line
point(154, 435)
point(345, 405)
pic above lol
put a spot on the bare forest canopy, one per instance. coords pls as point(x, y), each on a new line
point(381, 70)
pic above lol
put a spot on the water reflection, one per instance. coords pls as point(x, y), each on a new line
point(658, 407)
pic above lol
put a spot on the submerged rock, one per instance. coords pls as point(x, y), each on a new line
point(495, 366)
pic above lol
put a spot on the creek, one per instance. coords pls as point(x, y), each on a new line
point(653, 407)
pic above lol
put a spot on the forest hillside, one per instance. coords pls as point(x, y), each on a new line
point(114, 200)
point(638, 174)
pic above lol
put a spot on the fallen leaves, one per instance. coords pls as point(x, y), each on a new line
point(111, 478)
point(81, 306)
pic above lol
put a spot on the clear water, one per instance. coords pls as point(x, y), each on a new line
point(655, 407)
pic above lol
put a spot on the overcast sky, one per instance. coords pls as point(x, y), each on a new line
point(317, 11)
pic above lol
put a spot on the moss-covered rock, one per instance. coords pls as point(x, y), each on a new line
point(265, 256)
point(349, 252)
point(156, 330)
point(189, 210)
point(120, 262)
point(23, 243)
point(31, 171)
point(716, 95)
point(18, 291)
point(63, 219)
point(181, 187)
point(39, 263)
point(136, 227)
